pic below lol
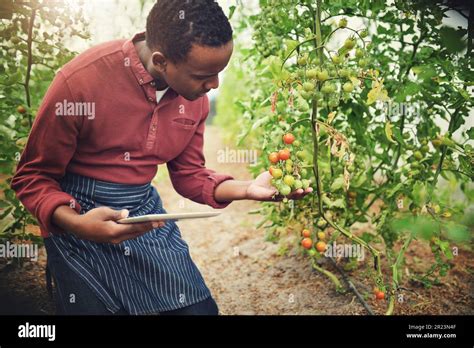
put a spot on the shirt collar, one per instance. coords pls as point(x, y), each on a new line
point(131, 57)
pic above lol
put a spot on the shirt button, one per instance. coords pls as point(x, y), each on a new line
point(152, 83)
point(141, 80)
point(150, 98)
point(153, 127)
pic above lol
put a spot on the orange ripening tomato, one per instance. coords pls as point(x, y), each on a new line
point(379, 295)
point(321, 247)
point(306, 233)
point(306, 243)
point(284, 154)
point(273, 157)
point(288, 138)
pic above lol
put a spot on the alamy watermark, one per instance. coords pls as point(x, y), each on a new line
point(65, 108)
point(228, 155)
point(399, 109)
point(345, 250)
point(12, 250)
point(28, 330)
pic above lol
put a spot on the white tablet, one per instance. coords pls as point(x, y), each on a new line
point(158, 217)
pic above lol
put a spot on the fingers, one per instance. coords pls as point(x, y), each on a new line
point(122, 232)
point(298, 194)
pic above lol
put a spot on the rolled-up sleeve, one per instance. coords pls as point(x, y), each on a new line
point(188, 172)
point(50, 146)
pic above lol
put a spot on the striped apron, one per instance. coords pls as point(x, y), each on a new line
point(149, 274)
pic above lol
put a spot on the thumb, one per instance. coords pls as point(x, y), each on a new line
point(112, 214)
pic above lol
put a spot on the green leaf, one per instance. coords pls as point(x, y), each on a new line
point(290, 46)
point(424, 72)
point(231, 11)
point(457, 232)
point(419, 193)
point(419, 226)
point(445, 249)
point(452, 39)
point(394, 190)
point(388, 132)
point(337, 184)
point(261, 122)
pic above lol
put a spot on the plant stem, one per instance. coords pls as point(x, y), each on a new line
point(329, 274)
point(30, 63)
point(395, 268)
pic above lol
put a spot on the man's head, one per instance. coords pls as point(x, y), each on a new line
point(191, 42)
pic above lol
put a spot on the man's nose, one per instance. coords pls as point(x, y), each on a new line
point(213, 84)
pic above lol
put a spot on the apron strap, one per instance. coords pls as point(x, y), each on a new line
point(49, 283)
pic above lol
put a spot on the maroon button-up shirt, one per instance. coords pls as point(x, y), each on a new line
point(99, 118)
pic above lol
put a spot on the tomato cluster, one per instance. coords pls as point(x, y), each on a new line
point(320, 244)
point(287, 170)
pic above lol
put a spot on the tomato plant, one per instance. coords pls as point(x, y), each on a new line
point(361, 87)
point(32, 50)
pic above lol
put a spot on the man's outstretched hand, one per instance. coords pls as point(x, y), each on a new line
point(261, 189)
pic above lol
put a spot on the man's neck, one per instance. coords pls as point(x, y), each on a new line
point(144, 53)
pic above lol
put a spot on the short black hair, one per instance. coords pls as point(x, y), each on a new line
point(174, 25)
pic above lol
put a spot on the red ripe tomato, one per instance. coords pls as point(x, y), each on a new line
point(273, 157)
point(307, 243)
point(379, 295)
point(288, 138)
point(284, 154)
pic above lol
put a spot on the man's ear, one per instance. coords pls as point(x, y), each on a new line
point(159, 61)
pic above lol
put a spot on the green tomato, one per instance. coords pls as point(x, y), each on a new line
point(344, 73)
point(303, 107)
point(359, 53)
point(289, 180)
point(322, 75)
point(349, 43)
point(301, 155)
point(363, 62)
point(284, 190)
point(305, 183)
point(328, 88)
point(302, 61)
point(418, 155)
point(308, 86)
point(298, 184)
point(333, 103)
point(321, 223)
point(311, 74)
point(277, 173)
point(336, 59)
point(348, 87)
point(305, 95)
point(296, 143)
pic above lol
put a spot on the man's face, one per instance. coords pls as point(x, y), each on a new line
point(198, 74)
